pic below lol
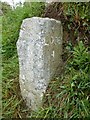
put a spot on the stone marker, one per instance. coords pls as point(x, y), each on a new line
point(39, 49)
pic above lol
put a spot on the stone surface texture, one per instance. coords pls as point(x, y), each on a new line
point(39, 50)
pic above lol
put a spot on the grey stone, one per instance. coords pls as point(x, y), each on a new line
point(39, 50)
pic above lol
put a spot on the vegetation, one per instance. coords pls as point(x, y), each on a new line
point(5, 7)
point(67, 96)
point(75, 19)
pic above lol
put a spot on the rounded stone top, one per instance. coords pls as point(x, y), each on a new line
point(42, 19)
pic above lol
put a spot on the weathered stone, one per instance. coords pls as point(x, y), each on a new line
point(39, 49)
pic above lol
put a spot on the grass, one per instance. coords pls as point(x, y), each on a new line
point(10, 87)
point(0, 66)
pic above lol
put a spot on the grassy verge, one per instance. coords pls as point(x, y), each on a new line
point(13, 105)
